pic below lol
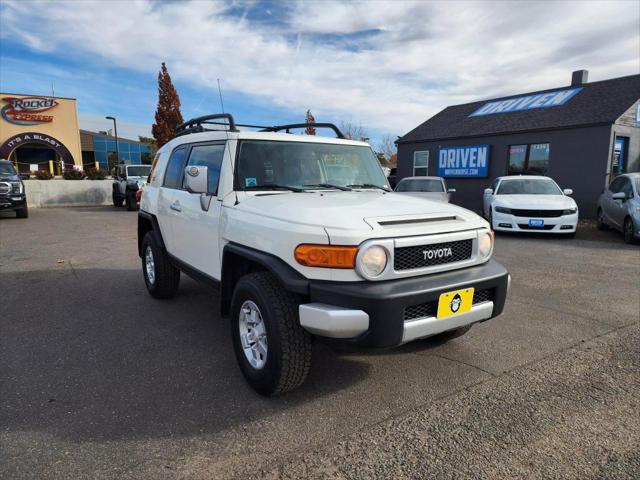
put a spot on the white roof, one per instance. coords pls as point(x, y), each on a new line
point(524, 177)
point(272, 136)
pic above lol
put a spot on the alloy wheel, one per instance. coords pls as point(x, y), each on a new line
point(150, 266)
point(253, 334)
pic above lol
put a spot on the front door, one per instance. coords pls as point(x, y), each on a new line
point(168, 195)
point(195, 230)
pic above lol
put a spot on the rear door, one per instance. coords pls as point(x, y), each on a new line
point(196, 230)
point(168, 202)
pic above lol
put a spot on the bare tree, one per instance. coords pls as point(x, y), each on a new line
point(386, 147)
point(354, 132)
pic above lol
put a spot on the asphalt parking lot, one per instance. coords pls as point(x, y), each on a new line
point(99, 380)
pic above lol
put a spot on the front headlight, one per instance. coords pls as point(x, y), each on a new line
point(569, 211)
point(502, 209)
point(16, 187)
point(485, 244)
point(373, 261)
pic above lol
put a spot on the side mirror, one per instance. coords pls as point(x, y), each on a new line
point(195, 178)
point(567, 191)
point(619, 196)
point(488, 191)
point(451, 190)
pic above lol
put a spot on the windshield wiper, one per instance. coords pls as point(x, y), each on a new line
point(330, 185)
point(370, 185)
point(274, 186)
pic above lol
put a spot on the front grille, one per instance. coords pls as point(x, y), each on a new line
point(536, 213)
point(407, 258)
point(430, 309)
point(524, 226)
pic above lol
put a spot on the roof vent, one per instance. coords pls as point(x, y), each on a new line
point(579, 77)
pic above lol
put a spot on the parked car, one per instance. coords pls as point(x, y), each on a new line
point(619, 206)
point(393, 172)
point(430, 188)
point(12, 192)
point(304, 238)
point(128, 179)
point(530, 203)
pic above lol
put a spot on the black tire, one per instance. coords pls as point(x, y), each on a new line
point(288, 357)
point(132, 205)
point(450, 335)
point(601, 224)
point(117, 199)
point(167, 277)
point(23, 212)
point(490, 218)
point(629, 237)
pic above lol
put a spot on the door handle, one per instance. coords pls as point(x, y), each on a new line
point(176, 206)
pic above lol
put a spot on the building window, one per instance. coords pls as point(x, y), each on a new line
point(421, 164)
point(530, 159)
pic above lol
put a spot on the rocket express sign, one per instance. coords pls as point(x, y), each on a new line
point(529, 102)
point(471, 161)
point(28, 110)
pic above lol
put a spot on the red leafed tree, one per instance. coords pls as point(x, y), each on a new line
point(310, 119)
point(168, 115)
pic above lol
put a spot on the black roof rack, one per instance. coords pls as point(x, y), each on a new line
point(286, 128)
point(196, 125)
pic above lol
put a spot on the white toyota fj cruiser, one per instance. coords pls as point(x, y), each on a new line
point(304, 238)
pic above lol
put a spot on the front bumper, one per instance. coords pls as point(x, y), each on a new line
point(373, 313)
point(13, 202)
point(505, 222)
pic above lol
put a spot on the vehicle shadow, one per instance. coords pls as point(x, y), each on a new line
point(119, 364)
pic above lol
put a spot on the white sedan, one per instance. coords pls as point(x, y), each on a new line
point(431, 188)
point(530, 203)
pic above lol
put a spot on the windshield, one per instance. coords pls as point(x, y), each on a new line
point(301, 165)
point(138, 171)
point(422, 185)
point(528, 187)
point(6, 169)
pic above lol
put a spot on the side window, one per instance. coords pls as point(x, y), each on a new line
point(209, 156)
point(173, 174)
point(420, 163)
point(494, 185)
point(616, 185)
point(627, 189)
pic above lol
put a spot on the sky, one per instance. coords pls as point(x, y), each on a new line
point(384, 65)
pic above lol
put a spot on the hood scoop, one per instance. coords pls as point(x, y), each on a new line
point(413, 221)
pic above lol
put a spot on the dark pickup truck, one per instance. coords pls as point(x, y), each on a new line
point(12, 192)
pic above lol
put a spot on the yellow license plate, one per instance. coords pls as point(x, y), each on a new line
point(453, 303)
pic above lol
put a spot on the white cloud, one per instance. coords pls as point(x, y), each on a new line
point(423, 57)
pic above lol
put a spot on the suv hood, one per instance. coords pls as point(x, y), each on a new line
point(355, 216)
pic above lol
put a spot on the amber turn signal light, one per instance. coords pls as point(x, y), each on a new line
point(327, 256)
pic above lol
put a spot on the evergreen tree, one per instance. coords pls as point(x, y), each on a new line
point(310, 119)
point(168, 115)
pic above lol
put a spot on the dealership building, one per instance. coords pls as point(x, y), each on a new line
point(581, 135)
point(42, 133)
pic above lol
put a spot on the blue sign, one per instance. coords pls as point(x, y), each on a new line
point(529, 102)
point(471, 161)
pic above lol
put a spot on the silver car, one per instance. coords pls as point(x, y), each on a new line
point(431, 188)
point(619, 206)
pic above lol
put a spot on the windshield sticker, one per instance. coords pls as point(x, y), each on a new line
point(250, 182)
